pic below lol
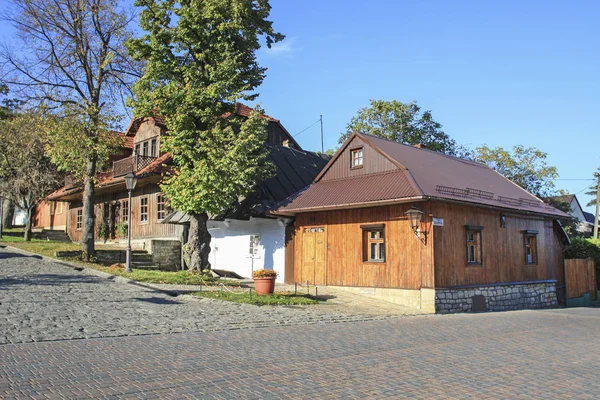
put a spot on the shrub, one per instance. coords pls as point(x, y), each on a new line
point(264, 273)
point(122, 229)
point(584, 248)
point(103, 231)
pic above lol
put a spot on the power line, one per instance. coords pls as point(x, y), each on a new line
point(574, 179)
point(585, 188)
point(310, 126)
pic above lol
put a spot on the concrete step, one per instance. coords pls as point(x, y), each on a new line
point(53, 235)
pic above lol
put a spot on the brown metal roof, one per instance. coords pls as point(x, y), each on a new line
point(420, 172)
point(373, 188)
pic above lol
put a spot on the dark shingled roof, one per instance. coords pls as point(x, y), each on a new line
point(420, 173)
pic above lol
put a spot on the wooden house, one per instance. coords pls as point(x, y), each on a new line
point(243, 239)
point(425, 230)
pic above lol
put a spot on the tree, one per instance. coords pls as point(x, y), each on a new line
point(72, 59)
point(525, 166)
point(401, 122)
point(593, 191)
point(27, 175)
point(201, 59)
point(8, 107)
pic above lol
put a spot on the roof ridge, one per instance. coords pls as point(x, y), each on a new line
point(464, 160)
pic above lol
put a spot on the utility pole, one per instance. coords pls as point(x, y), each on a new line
point(597, 209)
point(323, 148)
point(1, 214)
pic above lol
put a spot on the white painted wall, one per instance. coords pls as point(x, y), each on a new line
point(230, 246)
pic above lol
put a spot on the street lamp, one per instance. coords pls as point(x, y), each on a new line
point(130, 182)
point(414, 216)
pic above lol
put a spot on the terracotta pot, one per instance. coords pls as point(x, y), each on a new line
point(264, 285)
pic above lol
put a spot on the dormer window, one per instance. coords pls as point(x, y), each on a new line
point(356, 158)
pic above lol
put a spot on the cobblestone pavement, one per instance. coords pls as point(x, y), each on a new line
point(516, 355)
point(41, 301)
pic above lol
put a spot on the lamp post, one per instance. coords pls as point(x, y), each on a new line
point(1, 215)
point(130, 182)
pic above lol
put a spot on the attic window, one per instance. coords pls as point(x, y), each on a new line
point(356, 158)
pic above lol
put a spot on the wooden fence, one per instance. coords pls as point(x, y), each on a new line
point(580, 276)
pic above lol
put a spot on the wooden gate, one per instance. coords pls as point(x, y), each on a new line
point(313, 255)
point(580, 277)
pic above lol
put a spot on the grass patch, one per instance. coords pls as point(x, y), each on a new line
point(49, 249)
point(275, 299)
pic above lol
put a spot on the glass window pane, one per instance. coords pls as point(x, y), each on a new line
point(382, 251)
point(373, 251)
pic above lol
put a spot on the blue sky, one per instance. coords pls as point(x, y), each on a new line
point(497, 73)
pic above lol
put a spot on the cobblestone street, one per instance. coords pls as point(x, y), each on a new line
point(43, 301)
point(296, 353)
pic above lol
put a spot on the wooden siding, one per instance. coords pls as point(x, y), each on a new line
point(372, 162)
point(580, 278)
point(289, 254)
point(276, 135)
point(409, 261)
point(50, 215)
point(139, 230)
point(503, 248)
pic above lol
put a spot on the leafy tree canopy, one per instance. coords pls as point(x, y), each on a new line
point(593, 191)
point(201, 60)
point(401, 122)
point(525, 166)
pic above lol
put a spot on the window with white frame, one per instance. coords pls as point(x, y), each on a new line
point(79, 220)
point(125, 211)
point(253, 248)
point(160, 207)
point(356, 160)
point(143, 209)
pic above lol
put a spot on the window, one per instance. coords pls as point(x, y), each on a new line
point(79, 220)
point(144, 209)
point(153, 152)
point(253, 249)
point(530, 247)
point(160, 207)
point(137, 149)
point(373, 243)
point(474, 256)
point(145, 148)
point(356, 158)
point(59, 207)
point(125, 211)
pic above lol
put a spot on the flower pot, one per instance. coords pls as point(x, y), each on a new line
point(264, 285)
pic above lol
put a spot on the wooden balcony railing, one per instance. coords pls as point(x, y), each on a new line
point(131, 164)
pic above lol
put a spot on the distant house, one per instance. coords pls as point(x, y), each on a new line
point(585, 226)
point(243, 239)
point(425, 230)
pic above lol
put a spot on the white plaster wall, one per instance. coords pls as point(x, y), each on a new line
point(230, 246)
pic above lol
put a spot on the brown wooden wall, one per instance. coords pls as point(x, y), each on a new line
point(503, 248)
point(409, 262)
point(44, 218)
point(372, 162)
point(139, 230)
point(580, 277)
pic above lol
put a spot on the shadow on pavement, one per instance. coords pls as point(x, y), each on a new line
point(157, 300)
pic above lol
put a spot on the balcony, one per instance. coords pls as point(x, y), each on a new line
point(131, 164)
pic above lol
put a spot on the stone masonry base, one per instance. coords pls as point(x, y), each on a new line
point(501, 297)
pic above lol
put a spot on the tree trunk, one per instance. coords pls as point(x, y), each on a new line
point(197, 248)
point(28, 224)
point(8, 213)
point(87, 238)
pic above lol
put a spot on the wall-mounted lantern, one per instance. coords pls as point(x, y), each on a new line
point(414, 217)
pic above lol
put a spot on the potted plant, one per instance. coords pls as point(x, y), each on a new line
point(264, 281)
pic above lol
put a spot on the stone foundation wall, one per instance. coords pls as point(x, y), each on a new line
point(502, 297)
point(166, 254)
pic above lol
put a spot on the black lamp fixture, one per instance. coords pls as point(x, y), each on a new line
point(130, 182)
point(414, 217)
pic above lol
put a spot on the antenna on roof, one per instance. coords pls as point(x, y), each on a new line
point(322, 148)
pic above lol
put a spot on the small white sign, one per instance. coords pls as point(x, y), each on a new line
point(438, 221)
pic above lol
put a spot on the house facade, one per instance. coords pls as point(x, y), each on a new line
point(585, 220)
point(425, 230)
point(243, 239)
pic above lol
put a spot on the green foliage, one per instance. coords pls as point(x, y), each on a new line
point(525, 166)
point(122, 229)
point(569, 224)
point(73, 140)
point(103, 231)
point(8, 106)
point(401, 122)
point(594, 190)
point(584, 248)
point(201, 59)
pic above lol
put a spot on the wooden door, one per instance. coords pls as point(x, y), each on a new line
point(314, 250)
